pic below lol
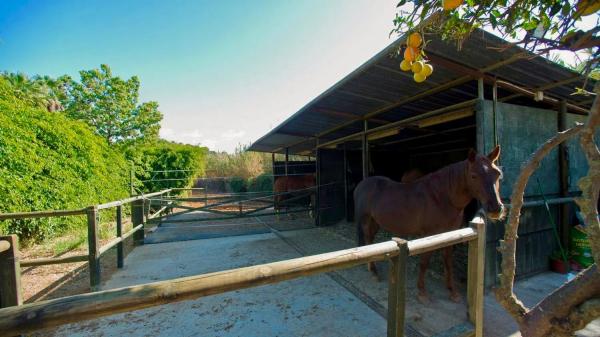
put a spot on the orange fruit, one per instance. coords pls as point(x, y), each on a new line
point(419, 77)
point(410, 54)
point(586, 7)
point(427, 69)
point(414, 40)
point(405, 65)
point(417, 67)
point(451, 4)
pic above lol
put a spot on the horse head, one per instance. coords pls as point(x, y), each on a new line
point(483, 180)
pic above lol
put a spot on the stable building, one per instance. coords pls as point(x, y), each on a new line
point(378, 121)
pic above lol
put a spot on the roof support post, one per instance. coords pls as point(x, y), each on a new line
point(272, 168)
point(480, 93)
point(317, 205)
point(287, 155)
point(494, 110)
point(365, 150)
point(345, 183)
point(563, 168)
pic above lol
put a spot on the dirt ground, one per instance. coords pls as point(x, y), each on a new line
point(59, 280)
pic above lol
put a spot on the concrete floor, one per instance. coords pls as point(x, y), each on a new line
point(311, 306)
point(346, 303)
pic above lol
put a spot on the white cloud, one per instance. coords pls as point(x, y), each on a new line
point(210, 143)
point(193, 137)
point(233, 134)
point(194, 134)
point(166, 133)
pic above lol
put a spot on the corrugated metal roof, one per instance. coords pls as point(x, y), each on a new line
point(380, 90)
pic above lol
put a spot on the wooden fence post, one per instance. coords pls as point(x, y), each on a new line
point(10, 273)
point(397, 291)
point(475, 276)
point(137, 217)
point(147, 206)
point(93, 248)
point(120, 254)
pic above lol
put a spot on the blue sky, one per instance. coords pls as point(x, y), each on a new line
point(223, 72)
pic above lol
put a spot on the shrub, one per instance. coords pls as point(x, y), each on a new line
point(238, 184)
point(161, 164)
point(262, 183)
point(48, 161)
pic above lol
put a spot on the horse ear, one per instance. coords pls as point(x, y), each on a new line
point(472, 155)
point(493, 156)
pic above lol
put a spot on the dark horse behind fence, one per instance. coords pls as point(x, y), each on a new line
point(284, 186)
point(428, 205)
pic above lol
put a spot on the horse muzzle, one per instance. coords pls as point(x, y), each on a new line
point(496, 213)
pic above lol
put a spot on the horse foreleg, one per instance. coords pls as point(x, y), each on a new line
point(449, 271)
point(423, 264)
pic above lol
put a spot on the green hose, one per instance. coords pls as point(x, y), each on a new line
point(554, 230)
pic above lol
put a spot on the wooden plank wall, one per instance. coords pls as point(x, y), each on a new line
point(520, 131)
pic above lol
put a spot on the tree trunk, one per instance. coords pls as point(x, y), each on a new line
point(577, 302)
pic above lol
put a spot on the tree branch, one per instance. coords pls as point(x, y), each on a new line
point(590, 184)
point(504, 293)
point(555, 310)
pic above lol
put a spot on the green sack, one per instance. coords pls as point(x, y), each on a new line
point(580, 249)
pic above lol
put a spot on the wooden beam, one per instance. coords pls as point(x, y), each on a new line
point(548, 99)
point(445, 132)
point(42, 214)
point(383, 134)
point(434, 242)
point(445, 118)
point(403, 122)
point(53, 260)
point(45, 314)
point(544, 87)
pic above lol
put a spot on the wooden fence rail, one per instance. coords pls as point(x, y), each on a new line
point(94, 249)
point(45, 314)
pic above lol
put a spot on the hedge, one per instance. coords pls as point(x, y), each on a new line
point(48, 161)
point(161, 164)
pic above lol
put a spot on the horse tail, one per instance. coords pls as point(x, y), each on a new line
point(360, 235)
point(358, 216)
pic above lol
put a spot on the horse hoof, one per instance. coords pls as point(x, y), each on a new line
point(456, 298)
point(424, 299)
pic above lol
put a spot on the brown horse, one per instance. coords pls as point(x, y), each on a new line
point(429, 205)
point(289, 184)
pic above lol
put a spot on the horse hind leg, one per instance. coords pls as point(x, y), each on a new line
point(370, 229)
point(422, 295)
point(448, 271)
